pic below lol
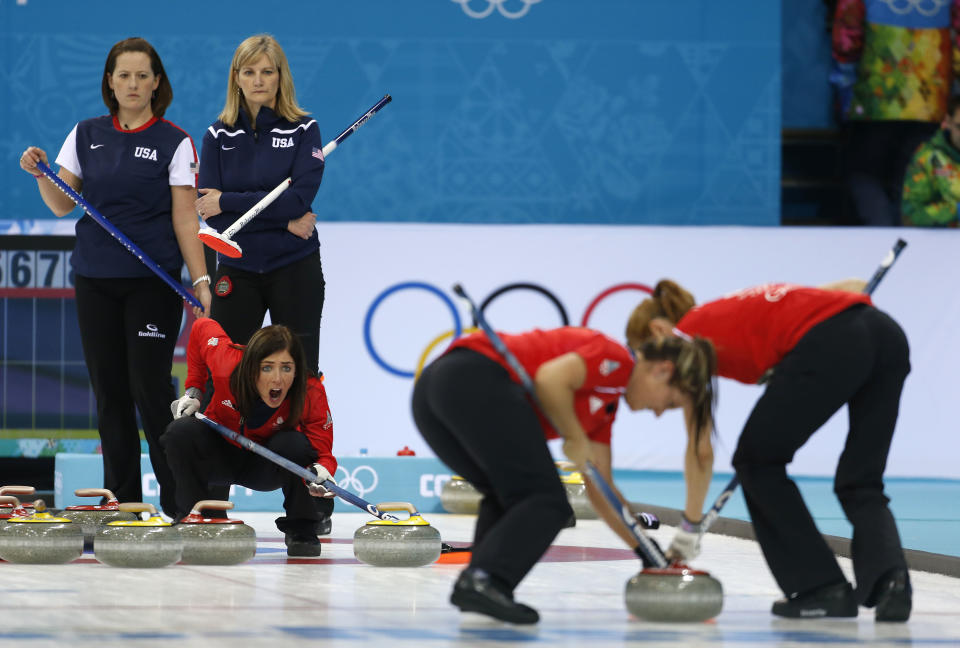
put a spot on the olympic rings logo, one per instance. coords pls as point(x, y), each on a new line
point(352, 481)
point(926, 8)
point(458, 327)
point(499, 6)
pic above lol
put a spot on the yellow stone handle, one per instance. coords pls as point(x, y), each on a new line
point(398, 506)
point(138, 507)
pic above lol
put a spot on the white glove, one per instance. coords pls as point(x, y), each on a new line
point(686, 543)
point(187, 405)
point(319, 490)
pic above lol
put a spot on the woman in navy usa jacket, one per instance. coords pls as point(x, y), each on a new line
point(260, 138)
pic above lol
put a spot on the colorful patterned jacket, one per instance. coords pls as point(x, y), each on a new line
point(931, 189)
point(899, 56)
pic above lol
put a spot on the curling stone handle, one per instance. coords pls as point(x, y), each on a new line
point(17, 490)
point(138, 507)
point(219, 505)
point(95, 492)
point(567, 466)
point(7, 499)
point(398, 506)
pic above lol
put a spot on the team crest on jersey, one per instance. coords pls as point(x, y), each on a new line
point(227, 403)
point(282, 142)
point(224, 286)
point(145, 153)
point(607, 367)
point(213, 341)
point(278, 422)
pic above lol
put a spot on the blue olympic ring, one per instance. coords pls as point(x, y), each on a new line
point(368, 320)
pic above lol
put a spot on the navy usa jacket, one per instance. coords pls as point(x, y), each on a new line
point(245, 164)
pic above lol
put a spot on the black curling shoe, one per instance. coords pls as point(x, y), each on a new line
point(894, 596)
point(302, 545)
point(835, 600)
point(475, 591)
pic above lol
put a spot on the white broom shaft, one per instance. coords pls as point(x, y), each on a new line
point(262, 204)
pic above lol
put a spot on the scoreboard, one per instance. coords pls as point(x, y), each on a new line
point(43, 379)
point(36, 266)
point(45, 393)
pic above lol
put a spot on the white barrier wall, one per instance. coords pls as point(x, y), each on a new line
point(371, 406)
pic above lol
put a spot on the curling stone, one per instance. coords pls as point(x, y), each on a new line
point(215, 541)
point(17, 491)
point(675, 593)
point(40, 538)
point(138, 543)
point(459, 496)
point(576, 491)
point(406, 543)
point(92, 516)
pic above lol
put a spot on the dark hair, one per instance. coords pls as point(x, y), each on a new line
point(162, 96)
point(695, 362)
point(243, 379)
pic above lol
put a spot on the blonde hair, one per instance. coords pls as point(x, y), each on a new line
point(248, 51)
point(669, 300)
point(695, 363)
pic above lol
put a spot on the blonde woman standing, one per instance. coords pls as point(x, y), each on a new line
point(260, 138)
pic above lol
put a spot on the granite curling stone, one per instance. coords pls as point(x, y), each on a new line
point(576, 491)
point(40, 538)
point(138, 543)
point(405, 543)
point(92, 516)
point(457, 495)
point(674, 594)
point(215, 541)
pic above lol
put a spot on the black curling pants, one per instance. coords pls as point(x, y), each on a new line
point(482, 426)
point(205, 464)
point(293, 294)
point(860, 358)
point(128, 329)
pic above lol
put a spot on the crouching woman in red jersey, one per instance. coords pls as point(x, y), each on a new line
point(830, 348)
point(265, 392)
point(474, 413)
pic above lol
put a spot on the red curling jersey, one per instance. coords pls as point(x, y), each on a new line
point(754, 328)
point(608, 369)
point(210, 352)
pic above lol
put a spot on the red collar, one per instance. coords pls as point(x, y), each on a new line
point(116, 125)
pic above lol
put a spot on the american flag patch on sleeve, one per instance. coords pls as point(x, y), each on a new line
point(317, 153)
